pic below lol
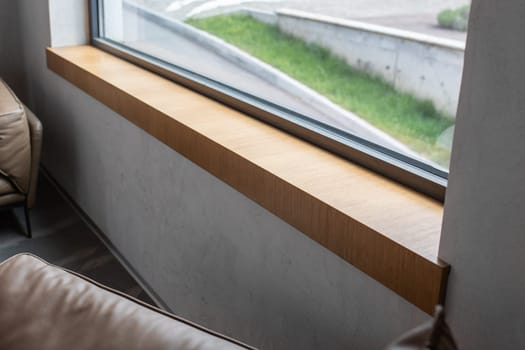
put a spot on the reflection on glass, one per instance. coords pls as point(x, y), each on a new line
point(387, 71)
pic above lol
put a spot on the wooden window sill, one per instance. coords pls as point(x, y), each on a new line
point(384, 229)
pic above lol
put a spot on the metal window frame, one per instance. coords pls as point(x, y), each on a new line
point(398, 167)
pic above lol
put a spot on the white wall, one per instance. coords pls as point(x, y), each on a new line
point(212, 254)
point(69, 23)
point(484, 225)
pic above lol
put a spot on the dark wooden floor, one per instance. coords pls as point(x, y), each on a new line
point(63, 239)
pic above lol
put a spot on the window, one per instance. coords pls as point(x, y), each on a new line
point(377, 84)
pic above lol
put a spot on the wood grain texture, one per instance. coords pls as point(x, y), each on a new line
point(384, 229)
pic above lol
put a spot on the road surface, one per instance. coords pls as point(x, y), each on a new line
point(414, 15)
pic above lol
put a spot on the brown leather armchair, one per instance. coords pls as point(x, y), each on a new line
point(20, 147)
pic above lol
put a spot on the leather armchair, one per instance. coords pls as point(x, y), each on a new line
point(48, 308)
point(20, 148)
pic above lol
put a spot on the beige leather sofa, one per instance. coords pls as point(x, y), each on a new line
point(45, 307)
point(20, 145)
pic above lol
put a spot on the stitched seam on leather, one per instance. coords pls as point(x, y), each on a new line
point(6, 114)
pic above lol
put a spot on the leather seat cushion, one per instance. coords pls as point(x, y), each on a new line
point(6, 187)
point(15, 146)
point(8, 194)
point(12, 198)
point(45, 307)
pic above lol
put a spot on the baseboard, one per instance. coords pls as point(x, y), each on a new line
point(104, 239)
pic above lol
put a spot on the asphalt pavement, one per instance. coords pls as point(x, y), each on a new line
point(414, 15)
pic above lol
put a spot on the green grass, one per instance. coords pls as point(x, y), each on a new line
point(414, 122)
point(454, 18)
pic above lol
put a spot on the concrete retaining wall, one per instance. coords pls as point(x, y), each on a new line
point(268, 17)
point(424, 66)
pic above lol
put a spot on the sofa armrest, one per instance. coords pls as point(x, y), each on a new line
point(36, 131)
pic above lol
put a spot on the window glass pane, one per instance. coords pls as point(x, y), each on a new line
point(388, 71)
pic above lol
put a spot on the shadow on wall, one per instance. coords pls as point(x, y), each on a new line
point(11, 52)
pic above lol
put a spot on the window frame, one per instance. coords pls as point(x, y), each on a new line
point(398, 167)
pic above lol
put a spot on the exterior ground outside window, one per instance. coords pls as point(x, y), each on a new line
point(387, 156)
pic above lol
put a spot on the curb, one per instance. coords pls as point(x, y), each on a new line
point(375, 28)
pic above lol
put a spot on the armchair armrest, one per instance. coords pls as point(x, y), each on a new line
point(35, 128)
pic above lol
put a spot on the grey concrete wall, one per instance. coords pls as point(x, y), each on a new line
point(427, 67)
point(11, 67)
point(268, 17)
point(483, 233)
point(211, 254)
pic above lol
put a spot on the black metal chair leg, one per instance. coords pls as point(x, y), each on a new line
point(28, 222)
